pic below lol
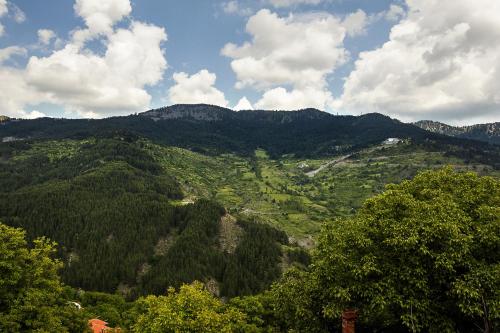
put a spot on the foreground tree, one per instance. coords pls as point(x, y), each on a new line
point(422, 256)
point(191, 309)
point(296, 300)
point(30, 290)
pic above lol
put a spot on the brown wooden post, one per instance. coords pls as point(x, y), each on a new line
point(349, 321)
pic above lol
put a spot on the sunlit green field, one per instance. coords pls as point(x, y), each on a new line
point(280, 193)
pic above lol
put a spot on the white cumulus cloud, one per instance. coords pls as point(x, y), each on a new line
point(281, 50)
point(355, 23)
point(281, 99)
point(442, 61)
point(33, 115)
point(197, 88)
point(14, 12)
point(15, 93)
point(8, 52)
point(234, 7)
point(297, 51)
point(109, 84)
point(99, 15)
point(18, 15)
point(3, 7)
point(87, 83)
point(243, 104)
point(395, 13)
point(3, 11)
point(45, 36)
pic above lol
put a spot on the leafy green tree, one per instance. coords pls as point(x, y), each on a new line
point(296, 301)
point(191, 309)
point(111, 308)
point(30, 290)
point(422, 256)
point(259, 311)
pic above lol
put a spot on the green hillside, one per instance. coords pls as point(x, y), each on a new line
point(133, 217)
point(275, 191)
point(214, 131)
point(121, 224)
point(141, 203)
point(278, 191)
point(424, 253)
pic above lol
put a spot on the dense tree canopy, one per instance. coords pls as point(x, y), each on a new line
point(109, 206)
point(30, 291)
point(424, 256)
point(296, 300)
point(310, 133)
point(192, 309)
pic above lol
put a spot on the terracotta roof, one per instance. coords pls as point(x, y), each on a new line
point(98, 326)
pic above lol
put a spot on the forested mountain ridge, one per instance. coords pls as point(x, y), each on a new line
point(207, 112)
point(215, 130)
point(482, 132)
point(139, 204)
point(134, 216)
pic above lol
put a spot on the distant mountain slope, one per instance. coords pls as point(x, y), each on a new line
point(482, 132)
point(212, 129)
point(142, 202)
point(216, 113)
point(4, 119)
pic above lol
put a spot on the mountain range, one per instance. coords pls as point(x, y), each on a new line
point(482, 132)
point(212, 129)
point(199, 192)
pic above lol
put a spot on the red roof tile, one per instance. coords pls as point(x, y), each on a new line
point(98, 326)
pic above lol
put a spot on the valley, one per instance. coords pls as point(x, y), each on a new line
point(138, 206)
point(296, 195)
point(282, 193)
point(239, 166)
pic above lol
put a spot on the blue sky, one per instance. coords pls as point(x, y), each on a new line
point(64, 58)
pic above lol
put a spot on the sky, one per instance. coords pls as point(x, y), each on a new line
point(409, 59)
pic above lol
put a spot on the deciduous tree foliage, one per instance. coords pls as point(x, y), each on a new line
point(112, 308)
point(259, 311)
point(296, 302)
point(424, 256)
point(30, 290)
point(191, 309)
